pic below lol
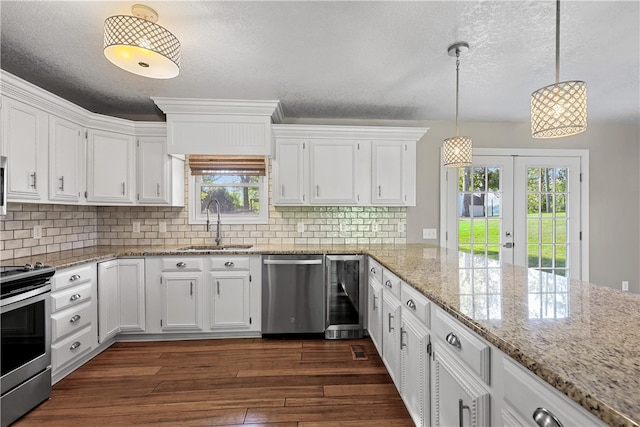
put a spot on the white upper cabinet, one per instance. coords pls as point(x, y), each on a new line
point(152, 170)
point(334, 172)
point(393, 176)
point(24, 138)
point(110, 174)
point(290, 178)
point(160, 176)
point(66, 160)
point(345, 165)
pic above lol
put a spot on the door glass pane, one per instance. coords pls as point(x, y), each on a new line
point(547, 222)
point(479, 211)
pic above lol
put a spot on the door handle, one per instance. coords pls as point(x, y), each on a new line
point(191, 289)
point(508, 245)
point(390, 318)
point(218, 287)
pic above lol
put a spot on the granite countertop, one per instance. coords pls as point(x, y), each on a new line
point(579, 337)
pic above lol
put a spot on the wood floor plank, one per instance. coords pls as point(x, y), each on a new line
point(235, 382)
point(324, 413)
point(361, 390)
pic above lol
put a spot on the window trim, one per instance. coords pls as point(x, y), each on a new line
point(261, 218)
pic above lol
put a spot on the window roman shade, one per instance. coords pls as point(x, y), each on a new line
point(206, 164)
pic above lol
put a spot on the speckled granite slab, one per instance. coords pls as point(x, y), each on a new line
point(582, 339)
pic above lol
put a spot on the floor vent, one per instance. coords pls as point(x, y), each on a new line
point(358, 353)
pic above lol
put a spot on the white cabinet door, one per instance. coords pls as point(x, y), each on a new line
point(181, 301)
point(152, 170)
point(66, 160)
point(459, 399)
point(393, 173)
point(230, 300)
point(391, 322)
point(108, 300)
point(290, 172)
point(374, 318)
point(132, 294)
point(334, 172)
point(414, 342)
point(24, 138)
point(110, 174)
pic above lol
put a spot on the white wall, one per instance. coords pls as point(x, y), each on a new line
point(614, 195)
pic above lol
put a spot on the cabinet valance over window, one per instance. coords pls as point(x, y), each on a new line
point(202, 164)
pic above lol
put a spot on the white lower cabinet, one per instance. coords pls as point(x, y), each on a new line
point(374, 312)
point(415, 347)
point(459, 399)
point(74, 316)
point(229, 299)
point(526, 396)
point(181, 301)
point(108, 300)
point(391, 322)
point(131, 287)
point(121, 299)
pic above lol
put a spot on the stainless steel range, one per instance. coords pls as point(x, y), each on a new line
point(25, 339)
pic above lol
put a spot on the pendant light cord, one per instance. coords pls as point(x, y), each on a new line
point(457, 84)
point(557, 41)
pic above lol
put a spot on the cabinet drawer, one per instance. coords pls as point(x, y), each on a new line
point(375, 270)
point(71, 296)
point(71, 348)
point(524, 393)
point(229, 263)
point(416, 303)
point(391, 283)
point(471, 350)
point(69, 320)
point(181, 264)
point(70, 277)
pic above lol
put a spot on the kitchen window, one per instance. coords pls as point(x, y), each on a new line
point(238, 183)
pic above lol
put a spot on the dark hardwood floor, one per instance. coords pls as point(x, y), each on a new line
point(226, 382)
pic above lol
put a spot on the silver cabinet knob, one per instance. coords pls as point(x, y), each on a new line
point(411, 305)
point(453, 340)
point(181, 264)
point(388, 284)
point(75, 297)
point(74, 319)
point(545, 418)
point(229, 264)
point(373, 270)
point(75, 345)
point(74, 277)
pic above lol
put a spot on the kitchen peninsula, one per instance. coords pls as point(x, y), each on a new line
point(587, 346)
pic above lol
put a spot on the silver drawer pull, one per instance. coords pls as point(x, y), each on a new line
point(75, 297)
point(545, 418)
point(388, 284)
point(74, 319)
point(373, 270)
point(461, 408)
point(75, 345)
point(74, 277)
point(453, 340)
point(411, 304)
point(181, 264)
point(229, 264)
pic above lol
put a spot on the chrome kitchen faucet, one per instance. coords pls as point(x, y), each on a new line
point(218, 238)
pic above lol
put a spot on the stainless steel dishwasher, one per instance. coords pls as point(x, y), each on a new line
point(293, 294)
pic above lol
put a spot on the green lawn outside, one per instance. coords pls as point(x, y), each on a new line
point(540, 235)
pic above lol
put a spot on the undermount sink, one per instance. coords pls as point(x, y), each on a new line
point(211, 248)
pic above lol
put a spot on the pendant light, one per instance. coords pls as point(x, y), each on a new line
point(138, 45)
point(457, 150)
point(559, 109)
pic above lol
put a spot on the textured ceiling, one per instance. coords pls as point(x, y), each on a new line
point(351, 60)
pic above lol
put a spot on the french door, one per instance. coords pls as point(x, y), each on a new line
point(524, 210)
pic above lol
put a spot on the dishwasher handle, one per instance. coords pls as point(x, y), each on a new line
point(292, 261)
